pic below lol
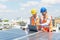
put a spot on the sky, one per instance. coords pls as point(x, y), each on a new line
point(12, 9)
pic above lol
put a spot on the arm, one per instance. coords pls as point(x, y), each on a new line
point(47, 23)
point(30, 21)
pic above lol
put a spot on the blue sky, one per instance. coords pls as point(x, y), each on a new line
point(21, 8)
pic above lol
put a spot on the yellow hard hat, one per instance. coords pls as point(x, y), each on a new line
point(33, 11)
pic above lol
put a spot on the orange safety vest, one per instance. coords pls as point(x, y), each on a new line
point(34, 21)
point(49, 28)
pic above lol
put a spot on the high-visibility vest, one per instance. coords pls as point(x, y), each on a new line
point(49, 28)
point(34, 21)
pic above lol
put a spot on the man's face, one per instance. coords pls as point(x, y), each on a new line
point(34, 15)
point(44, 13)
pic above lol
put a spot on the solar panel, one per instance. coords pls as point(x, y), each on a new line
point(41, 36)
point(11, 34)
point(35, 36)
point(18, 34)
point(56, 36)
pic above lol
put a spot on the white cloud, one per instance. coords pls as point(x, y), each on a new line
point(22, 8)
point(50, 1)
point(47, 3)
point(13, 0)
point(36, 3)
point(7, 0)
point(2, 6)
point(29, 3)
point(3, 0)
point(6, 10)
point(57, 11)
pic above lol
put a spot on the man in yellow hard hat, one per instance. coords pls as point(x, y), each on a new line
point(34, 17)
point(34, 20)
